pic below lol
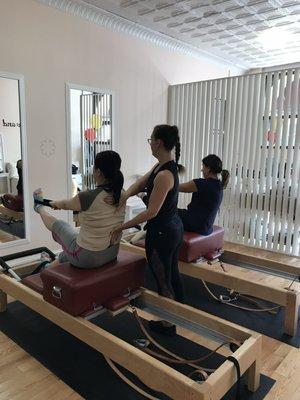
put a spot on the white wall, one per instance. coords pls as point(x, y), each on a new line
point(51, 48)
point(9, 111)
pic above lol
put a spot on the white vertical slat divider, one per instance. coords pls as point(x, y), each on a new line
point(193, 128)
point(178, 116)
point(228, 146)
point(263, 192)
point(282, 137)
point(202, 123)
point(188, 133)
point(237, 169)
point(296, 243)
point(81, 169)
point(90, 112)
point(111, 127)
point(174, 110)
point(84, 142)
point(279, 152)
point(206, 131)
point(296, 178)
point(214, 143)
point(249, 144)
point(210, 135)
point(103, 130)
point(240, 228)
point(222, 116)
point(184, 130)
point(272, 170)
point(185, 91)
point(106, 114)
point(214, 113)
point(180, 125)
point(177, 90)
point(258, 100)
point(219, 115)
point(231, 137)
point(83, 152)
point(255, 210)
point(199, 118)
point(104, 101)
point(98, 130)
point(290, 182)
point(285, 143)
point(102, 111)
point(188, 150)
point(225, 140)
point(220, 130)
point(172, 105)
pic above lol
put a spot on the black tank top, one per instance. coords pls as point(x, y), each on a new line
point(169, 207)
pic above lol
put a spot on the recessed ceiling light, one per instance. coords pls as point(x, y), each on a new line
point(274, 38)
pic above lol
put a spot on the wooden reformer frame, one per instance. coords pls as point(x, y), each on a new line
point(245, 281)
point(152, 372)
point(264, 259)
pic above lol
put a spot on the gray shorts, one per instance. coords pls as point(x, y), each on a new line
point(66, 235)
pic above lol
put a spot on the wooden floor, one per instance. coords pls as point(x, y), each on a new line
point(24, 378)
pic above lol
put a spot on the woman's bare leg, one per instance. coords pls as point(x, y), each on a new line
point(47, 218)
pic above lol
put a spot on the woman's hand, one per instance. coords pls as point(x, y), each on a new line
point(116, 234)
point(55, 205)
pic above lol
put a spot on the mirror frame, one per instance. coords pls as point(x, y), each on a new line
point(75, 86)
point(27, 239)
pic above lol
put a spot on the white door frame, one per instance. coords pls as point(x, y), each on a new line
point(70, 86)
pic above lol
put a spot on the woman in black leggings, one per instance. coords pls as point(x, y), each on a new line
point(164, 227)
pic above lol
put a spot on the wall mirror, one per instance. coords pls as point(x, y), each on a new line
point(14, 211)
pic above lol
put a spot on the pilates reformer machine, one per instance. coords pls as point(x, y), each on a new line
point(70, 297)
point(246, 272)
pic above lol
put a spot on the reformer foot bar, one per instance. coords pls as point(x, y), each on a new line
point(152, 372)
point(245, 281)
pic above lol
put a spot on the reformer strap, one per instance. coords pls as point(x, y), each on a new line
point(40, 267)
point(44, 202)
point(238, 373)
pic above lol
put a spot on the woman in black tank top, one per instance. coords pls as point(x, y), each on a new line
point(164, 227)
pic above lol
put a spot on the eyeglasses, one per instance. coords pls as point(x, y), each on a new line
point(149, 140)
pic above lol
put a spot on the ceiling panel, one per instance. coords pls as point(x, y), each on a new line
point(229, 29)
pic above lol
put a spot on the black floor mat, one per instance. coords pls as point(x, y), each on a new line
point(270, 325)
point(83, 368)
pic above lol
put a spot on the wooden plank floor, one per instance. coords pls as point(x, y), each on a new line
point(23, 378)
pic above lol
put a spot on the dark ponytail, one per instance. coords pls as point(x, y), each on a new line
point(109, 163)
point(214, 163)
point(169, 135)
point(225, 175)
point(177, 156)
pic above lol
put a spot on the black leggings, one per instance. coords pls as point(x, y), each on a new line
point(193, 224)
point(163, 243)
